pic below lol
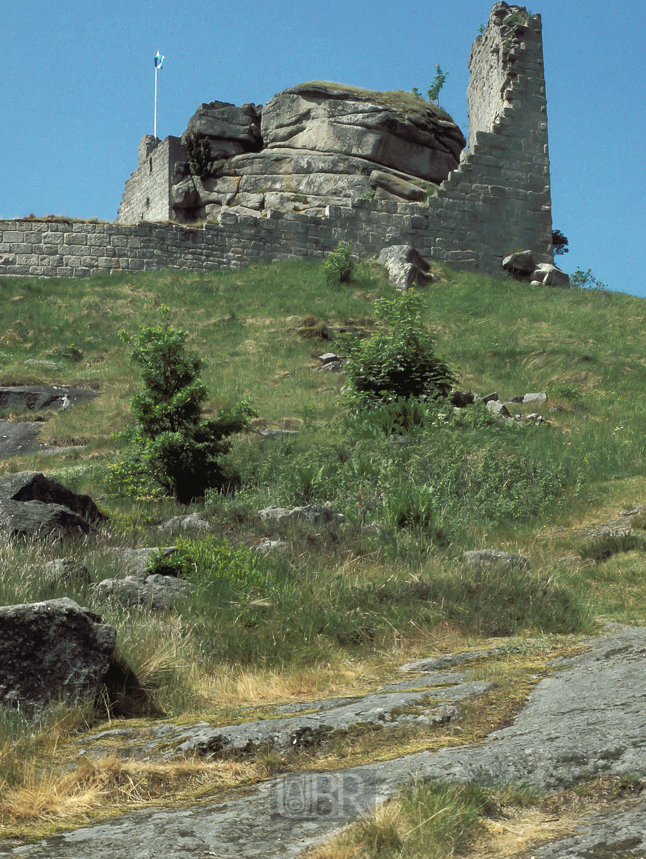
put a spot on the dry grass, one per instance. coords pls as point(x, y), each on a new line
point(109, 784)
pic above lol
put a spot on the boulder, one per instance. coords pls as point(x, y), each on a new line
point(310, 513)
point(405, 267)
point(540, 397)
point(136, 562)
point(546, 274)
point(155, 592)
point(519, 264)
point(230, 129)
point(318, 146)
point(52, 651)
point(498, 409)
point(333, 118)
point(34, 505)
point(63, 572)
point(495, 560)
point(190, 522)
point(397, 186)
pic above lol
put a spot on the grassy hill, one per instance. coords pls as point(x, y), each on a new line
point(339, 606)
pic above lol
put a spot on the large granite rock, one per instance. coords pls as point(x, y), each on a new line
point(331, 118)
point(34, 505)
point(52, 651)
point(317, 145)
point(231, 130)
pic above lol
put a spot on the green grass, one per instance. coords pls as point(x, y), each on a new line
point(406, 102)
point(392, 580)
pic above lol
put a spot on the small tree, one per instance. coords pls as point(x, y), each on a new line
point(398, 362)
point(177, 447)
point(560, 243)
point(338, 266)
point(437, 84)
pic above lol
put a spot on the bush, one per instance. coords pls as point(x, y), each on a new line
point(338, 266)
point(175, 446)
point(586, 280)
point(398, 362)
point(199, 154)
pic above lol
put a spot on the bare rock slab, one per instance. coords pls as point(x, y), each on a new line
point(588, 719)
point(38, 397)
point(51, 651)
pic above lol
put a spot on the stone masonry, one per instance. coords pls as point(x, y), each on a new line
point(496, 202)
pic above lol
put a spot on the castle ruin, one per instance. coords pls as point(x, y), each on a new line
point(291, 180)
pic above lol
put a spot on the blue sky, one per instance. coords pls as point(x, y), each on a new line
point(78, 86)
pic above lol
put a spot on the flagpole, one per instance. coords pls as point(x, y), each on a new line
point(155, 129)
point(159, 61)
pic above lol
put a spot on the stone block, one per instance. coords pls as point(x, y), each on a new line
point(13, 236)
point(78, 238)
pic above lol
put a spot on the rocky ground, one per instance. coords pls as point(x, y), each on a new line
point(585, 721)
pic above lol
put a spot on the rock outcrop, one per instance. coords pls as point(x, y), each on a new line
point(312, 146)
point(52, 651)
point(34, 505)
point(405, 267)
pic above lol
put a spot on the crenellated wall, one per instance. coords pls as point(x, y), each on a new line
point(496, 202)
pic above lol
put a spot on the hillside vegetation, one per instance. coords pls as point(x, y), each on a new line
point(338, 606)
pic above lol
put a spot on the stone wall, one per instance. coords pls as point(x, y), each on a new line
point(496, 202)
point(147, 193)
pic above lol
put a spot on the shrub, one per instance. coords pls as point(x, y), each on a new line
point(338, 266)
point(586, 280)
point(199, 154)
point(560, 243)
point(437, 84)
point(397, 362)
point(175, 446)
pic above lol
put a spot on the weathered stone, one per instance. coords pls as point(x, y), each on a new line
point(549, 275)
point(222, 121)
point(275, 432)
point(267, 546)
point(190, 522)
point(62, 572)
point(498, 409)
point(51, 651)
point(396, 186)
point(585, 721)
point(34, 505)
point(310, 513)
point(37, 397)
point(155, 592)
point(482, 559)
point(519, 263)
point(50, 365)
point(19, 437)
point(405, 267)
point(540, 397)
point(329, 118)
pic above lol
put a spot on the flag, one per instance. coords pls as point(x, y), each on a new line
point(159, 60)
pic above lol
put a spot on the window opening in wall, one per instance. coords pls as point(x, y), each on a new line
point(147, 202)
point(150, 165)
